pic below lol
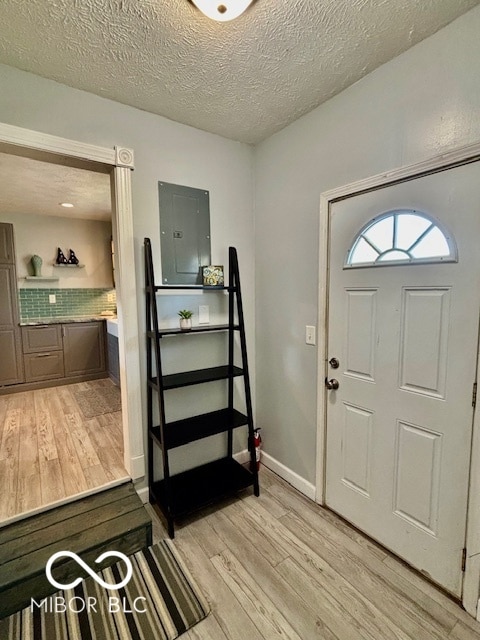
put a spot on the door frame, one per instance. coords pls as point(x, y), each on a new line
point(460, 156)
point(119, 162)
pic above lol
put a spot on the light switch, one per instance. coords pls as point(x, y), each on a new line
point(52, 298)
point(310, 335)
point(203, 314)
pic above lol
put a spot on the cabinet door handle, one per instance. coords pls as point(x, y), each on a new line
point(43, 355)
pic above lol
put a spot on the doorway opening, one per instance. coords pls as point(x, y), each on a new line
point(85, 437)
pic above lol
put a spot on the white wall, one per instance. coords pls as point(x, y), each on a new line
point(425, 101)
point(164, 150)
point(41, 235)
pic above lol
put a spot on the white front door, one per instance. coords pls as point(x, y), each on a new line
point(399, 425)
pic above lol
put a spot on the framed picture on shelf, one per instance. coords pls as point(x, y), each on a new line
point(213, 275)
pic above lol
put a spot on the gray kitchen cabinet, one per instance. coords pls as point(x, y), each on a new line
point(43, 366)
point(11, 364)
point(40, 338)
point(84, 348)
point(43, 352)
point(7, 247)
point(113, 359)
point(63, 353)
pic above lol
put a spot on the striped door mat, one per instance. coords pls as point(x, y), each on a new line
point(160, 602)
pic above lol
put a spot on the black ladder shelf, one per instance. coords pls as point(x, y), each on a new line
point(177, 495)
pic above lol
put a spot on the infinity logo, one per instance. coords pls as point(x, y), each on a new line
point(78, 560)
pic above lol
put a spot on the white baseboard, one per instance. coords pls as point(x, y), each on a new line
point(137, 467)
point(143, 494)
point(302, 485)
point(242, 456)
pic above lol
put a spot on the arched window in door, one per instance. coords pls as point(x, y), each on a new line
point(399, 238)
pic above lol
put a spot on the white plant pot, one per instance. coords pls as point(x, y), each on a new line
point(185, 324)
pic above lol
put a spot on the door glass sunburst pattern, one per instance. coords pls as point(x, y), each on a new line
point(399, 238)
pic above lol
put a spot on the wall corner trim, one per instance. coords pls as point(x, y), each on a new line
point(20, 137)
point(124, 157)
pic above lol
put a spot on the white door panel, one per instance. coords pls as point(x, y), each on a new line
point(360, 332)
point(399, 426)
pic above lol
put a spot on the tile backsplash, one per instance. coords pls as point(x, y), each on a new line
point(34, 303)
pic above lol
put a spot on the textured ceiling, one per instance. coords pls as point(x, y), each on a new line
point(36, 187)
point(244, 79)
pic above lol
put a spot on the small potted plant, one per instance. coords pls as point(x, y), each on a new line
point(185, 319)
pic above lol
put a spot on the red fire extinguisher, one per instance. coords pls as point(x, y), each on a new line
point(257, 443)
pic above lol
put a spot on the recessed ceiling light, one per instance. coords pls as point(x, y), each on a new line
point(222, 10)
point(67, 205)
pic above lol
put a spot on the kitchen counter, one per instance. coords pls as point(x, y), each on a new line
point(31, 322)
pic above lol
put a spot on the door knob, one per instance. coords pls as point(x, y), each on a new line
point(332, 384)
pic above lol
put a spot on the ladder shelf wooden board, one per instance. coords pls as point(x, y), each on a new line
point(187, 378)
point(198, 427)
point(193, 330)
point(192, 287)
point(180, 494)
point(199, 487)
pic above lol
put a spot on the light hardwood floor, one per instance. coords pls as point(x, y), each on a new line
point(49, 451)
point(280, 566)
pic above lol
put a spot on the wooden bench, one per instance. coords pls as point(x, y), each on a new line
point(113, 520)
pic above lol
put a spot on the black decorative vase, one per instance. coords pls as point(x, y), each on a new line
point(73, 258)
point(61, 259)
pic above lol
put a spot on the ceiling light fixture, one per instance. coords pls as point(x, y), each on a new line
point(222, 10)
point(67, 205)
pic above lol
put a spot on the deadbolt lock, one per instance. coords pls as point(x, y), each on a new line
point(334, 363)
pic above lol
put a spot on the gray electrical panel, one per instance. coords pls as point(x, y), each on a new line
point(184, 233)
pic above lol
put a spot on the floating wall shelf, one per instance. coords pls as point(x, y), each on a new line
point(42, 278)
point(69, 266)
